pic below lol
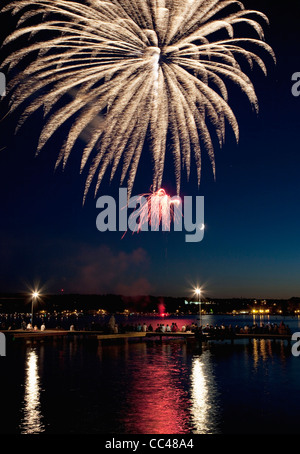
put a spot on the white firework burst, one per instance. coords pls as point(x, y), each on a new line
point(137, 70)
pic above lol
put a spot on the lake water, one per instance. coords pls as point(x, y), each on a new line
point(146, 387)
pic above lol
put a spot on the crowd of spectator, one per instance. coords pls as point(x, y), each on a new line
point(111, 326)
point(263, 328)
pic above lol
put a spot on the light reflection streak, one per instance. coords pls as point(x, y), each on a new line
point(262, 349)
point(156, 393)
point(32, 419)
point(204, 407)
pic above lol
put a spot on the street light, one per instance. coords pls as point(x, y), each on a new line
point(34, 297)
point(198, 293)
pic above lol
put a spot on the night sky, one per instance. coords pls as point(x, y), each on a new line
point(251, 246)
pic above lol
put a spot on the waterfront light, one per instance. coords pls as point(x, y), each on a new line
point(198, 293)
point(34, 296)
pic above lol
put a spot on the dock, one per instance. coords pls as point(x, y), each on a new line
point(57, 333)
point(221, 336)
point(102, 336)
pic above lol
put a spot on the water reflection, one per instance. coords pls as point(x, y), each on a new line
point(204, 407)
point(262, 349)
point(32, 417)
point(150, 387)
point(157, 402)
point(168, 394)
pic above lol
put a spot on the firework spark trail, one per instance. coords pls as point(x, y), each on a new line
point(149, 69)
point(155, 209)
point(161, 209)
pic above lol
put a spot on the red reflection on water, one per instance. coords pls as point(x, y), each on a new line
point(159, 404)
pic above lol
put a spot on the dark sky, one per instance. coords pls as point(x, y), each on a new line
point(251, 246)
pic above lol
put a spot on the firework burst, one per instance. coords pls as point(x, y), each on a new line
point(157, 208)
point(135, 71)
